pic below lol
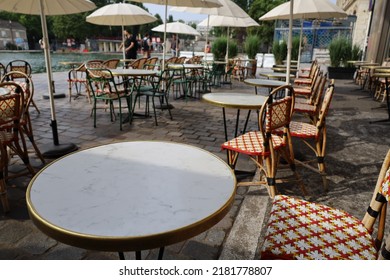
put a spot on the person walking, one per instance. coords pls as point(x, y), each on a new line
point(146, 46)
point(175, 45)
point(130, 45)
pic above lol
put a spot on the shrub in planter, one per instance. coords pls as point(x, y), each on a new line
point(252, 47)
point(219, 48)
point(279, 50)
point(340, 52)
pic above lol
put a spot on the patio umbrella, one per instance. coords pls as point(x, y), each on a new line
point(305, 9)
point(121, 14)
point(180, 3)
point(177, 28)
point(52, 8)
point(228, 22)
point(228, 8)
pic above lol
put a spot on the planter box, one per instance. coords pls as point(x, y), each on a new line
point(341, 73)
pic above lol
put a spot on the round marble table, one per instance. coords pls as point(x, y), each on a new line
point(235, 101)
point(266, 83)
point(131, 196)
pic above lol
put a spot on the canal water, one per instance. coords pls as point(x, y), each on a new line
point(37, 59)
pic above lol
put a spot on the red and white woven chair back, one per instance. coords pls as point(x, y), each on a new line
point(278, 109)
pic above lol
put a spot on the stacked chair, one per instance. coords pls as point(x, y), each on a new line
point(13, 107)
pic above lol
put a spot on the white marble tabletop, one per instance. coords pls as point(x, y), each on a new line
point(235, 100)
point(132, 72)
point(131, 196)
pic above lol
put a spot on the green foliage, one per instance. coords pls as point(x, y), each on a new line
point(341, 50)
point(266, 29)
point(219, 48)
point(279, 49)
point(295, 48)
point(252, 46)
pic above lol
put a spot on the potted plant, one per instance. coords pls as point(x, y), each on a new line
point(252, 45)
point(279, 50)
point(341, 51)
point(219, 48)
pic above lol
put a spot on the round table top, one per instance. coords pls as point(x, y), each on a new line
point(264, 83)
point(235, 100)
point(276, 75)
point(131, 196)
point(381, 75)
point(366, 63)
point(185, 66)
point(284, 69)
point(132, 72)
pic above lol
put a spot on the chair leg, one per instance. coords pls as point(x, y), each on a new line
point(3, 186)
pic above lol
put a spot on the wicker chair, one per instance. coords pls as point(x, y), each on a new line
point(77, 77)
point(298, 229)
point(315, 133)
point(311, 106)
point(23, 67)
point(11, 136)
point(111, 63)
point(104, 88)
point(265, 147)
point(26, 126)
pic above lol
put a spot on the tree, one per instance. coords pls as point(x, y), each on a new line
point(266, 29)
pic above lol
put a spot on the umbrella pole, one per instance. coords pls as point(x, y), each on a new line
point(123, 43)
point(227, 49)
point(289, 46)
point(207, 35)
point(165, 35)
point(300, 48)
point(55, 150)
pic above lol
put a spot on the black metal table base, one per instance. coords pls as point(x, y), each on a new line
point(138, 255)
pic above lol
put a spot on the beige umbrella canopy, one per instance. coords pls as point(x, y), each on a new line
point(49, 8)
point(305, 9)
point(121, 14)
point(176, 27)
point(180, 3)
point(228, 8)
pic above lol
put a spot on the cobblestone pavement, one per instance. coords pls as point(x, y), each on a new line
point(354, 155)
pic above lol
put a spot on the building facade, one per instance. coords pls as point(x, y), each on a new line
point(372, 30)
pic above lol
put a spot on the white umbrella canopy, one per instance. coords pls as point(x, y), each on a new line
point(227, 21)
point(49, 8)
point(120, 14)
point(305, 9)
point(176, 27)
point(180, 3)
point(228, 8)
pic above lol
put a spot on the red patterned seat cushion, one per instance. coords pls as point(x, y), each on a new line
point(303, 81)
point(251, 143)
point(300, 229)
point(303, 130)
point(302, 91)
point(304, 108)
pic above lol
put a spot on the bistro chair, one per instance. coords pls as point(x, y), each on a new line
point(265, 147)
point(138, 63)
point(314, 135)
point(105, 88)
point(311, 106)
point(160, 86)
point(298, 229)
point(25, 122)
point(307, 90)
point(111, 63)
point(77, 77)
point(20, 66)
point(11, 136)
